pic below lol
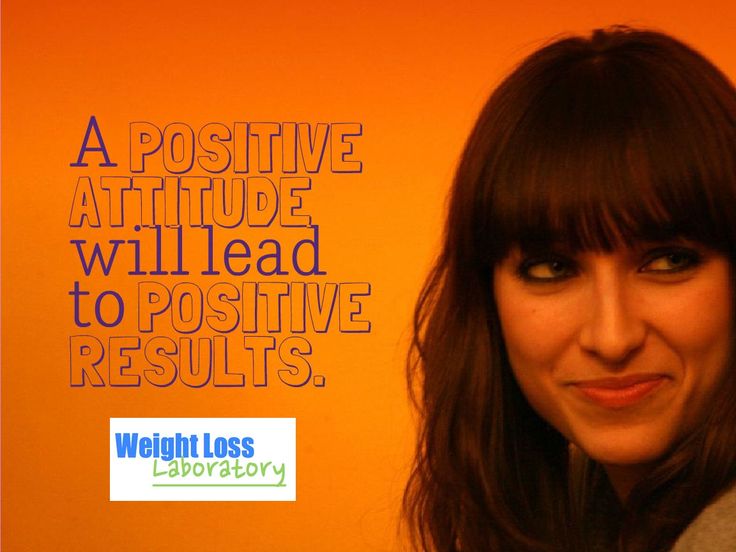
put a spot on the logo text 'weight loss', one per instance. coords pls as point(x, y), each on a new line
point(203, 459)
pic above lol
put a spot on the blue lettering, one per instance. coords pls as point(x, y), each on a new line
point(145, 446)
point(248, 450)
point(126, 444)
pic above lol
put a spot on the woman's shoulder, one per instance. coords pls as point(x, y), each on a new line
point(714, 530)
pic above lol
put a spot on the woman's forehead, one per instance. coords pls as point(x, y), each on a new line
point(632, 246)
point(585, 219)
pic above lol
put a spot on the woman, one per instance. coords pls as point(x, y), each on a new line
point(573, 343)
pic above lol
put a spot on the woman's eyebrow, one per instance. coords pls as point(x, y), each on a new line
point(677, 240)
point(552, 246)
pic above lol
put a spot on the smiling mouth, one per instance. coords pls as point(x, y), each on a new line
point(620, 392)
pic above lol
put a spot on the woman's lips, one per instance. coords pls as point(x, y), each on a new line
point(620, 392)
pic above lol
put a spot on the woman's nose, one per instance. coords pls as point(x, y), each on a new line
point(612, 329)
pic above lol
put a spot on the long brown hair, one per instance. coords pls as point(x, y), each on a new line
point(593, 142)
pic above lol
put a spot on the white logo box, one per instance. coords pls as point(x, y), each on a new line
point(202, 459)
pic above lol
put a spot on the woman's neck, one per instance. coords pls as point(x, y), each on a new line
point(624, 478)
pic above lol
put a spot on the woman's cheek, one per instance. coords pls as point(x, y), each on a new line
point(537, 330)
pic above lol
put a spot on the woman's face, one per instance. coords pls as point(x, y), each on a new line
point(622, 351)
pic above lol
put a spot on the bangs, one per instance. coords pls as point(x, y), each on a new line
point(610, 154)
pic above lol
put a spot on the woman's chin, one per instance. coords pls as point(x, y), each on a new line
point(625, 448)
point(630, 457)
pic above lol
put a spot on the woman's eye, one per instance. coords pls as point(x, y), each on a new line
point(546, 270)
point(671, 261)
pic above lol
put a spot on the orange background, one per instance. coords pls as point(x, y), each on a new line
point(414, 74)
